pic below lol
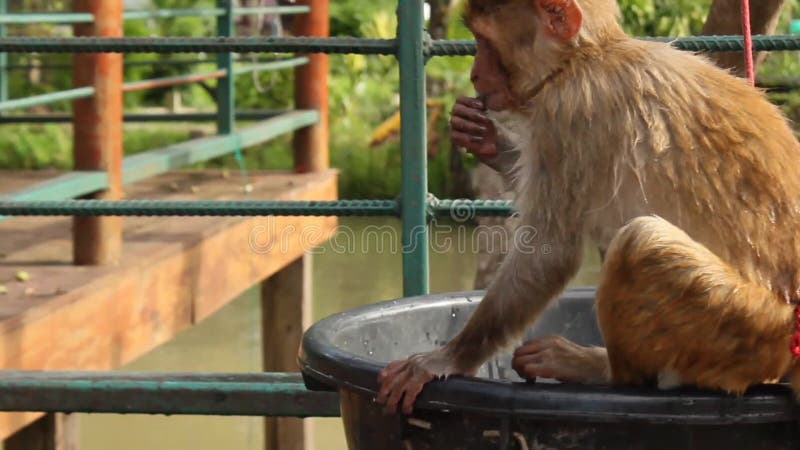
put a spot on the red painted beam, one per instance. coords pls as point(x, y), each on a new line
point(311, 91)
point(172, 81)
point(97, 125)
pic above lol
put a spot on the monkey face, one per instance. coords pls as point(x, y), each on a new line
point(490, 78)
point(518, 42)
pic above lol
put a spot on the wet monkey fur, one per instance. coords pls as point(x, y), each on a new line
point(685, 175)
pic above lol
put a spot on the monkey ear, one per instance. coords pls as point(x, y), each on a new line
point(562, 18)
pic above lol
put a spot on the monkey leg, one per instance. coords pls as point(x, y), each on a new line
point(671, 311)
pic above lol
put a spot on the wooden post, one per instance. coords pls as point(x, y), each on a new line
point(97, 145)
point(311, 91)
point(97, 130)
point(285, 315)
point(51, 432)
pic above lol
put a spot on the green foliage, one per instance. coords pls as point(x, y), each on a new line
point(35, 147)
point(49, 146)
point(783, 64)
point(348, 17)
point(663, 17)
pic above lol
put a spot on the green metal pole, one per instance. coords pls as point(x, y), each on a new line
point(43, 18)
point(220, 394)
point(413, 146)
point(44, 99)
point(3, 58)
point(225, 86)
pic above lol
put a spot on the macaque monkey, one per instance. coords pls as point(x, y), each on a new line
point(685, 176)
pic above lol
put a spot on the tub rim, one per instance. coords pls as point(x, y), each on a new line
point(327, 367)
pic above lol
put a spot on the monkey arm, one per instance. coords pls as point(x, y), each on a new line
point(528, 279)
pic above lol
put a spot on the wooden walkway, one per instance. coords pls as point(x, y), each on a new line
point(175, 271)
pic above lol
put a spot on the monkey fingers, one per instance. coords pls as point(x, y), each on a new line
point(471, 109)
point(402, 379)
point(475, 129)
point(471, 129)
point(562, 359)
point(534, 367)
point(471, 102)
point(474, 144)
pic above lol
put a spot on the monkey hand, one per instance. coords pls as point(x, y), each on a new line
point(405, 378)
point(471, 128)
point(561, 359)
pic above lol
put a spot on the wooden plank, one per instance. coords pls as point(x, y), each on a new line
point(51, 432)
point(286, 312)
point(173, 273)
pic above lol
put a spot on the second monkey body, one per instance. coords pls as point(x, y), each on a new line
point(684, 174)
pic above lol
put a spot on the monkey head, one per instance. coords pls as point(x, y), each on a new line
point(521, 43)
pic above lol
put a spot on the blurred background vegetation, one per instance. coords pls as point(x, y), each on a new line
point(363, 90)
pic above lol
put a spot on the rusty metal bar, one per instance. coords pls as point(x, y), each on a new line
point(97, 124)
point(88, 91)
point(310, 144)
point(172, 81)
point(151, 62)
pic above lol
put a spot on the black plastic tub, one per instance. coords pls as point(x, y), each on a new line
point(497, 410)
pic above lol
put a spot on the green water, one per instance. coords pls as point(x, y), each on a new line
point(361, 265)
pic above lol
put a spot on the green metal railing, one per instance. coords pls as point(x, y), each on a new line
point(219, 394)
point(73, 18)
point(335, 45)
point(278, 394)
point(161, 160)
point(148, 164)
point(461, 210)
point(411, 47)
